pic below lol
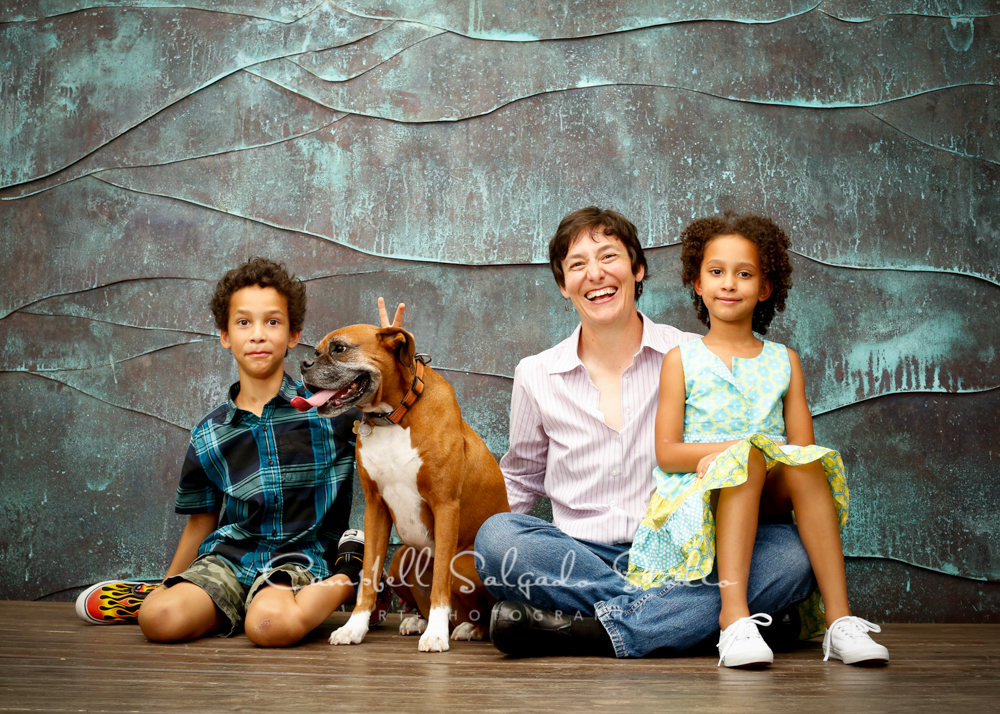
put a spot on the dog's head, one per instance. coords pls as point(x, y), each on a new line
point(355, 363)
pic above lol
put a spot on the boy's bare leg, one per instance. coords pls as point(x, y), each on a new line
point(179, 613)
point(279, 617)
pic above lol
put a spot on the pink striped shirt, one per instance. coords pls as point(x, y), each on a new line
point(599, 480)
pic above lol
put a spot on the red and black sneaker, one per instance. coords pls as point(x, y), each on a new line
point(113, 602)
point(383, 601)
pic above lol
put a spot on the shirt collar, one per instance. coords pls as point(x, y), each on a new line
point(288, 391)
point(653, 338)
point(566, 357)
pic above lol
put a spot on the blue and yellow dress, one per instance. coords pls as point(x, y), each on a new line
point(676, 540)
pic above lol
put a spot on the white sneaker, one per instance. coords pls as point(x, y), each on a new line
point(847, 640)
point(352, 535)
point(740, 644)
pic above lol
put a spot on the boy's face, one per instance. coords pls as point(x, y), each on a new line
point(259, 332)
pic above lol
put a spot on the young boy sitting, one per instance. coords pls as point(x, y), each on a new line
point(267, 490)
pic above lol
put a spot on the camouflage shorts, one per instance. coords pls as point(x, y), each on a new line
point(213, 575)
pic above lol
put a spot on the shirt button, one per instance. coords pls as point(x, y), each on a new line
point(614, 472)
point(611, 502)
point(615, 437)
point(270, 462)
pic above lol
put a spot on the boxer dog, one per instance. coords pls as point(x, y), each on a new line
point(421, 467)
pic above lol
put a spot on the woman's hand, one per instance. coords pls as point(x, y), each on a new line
point(383, 316)
point(706, 462)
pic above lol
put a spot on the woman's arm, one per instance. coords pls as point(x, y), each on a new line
point(798, 419)
point(672, 454)
point(524, 464)
point(198, 528)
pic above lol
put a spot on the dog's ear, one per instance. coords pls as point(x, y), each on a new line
point(401, 343)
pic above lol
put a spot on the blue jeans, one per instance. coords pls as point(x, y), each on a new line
point(524, 558)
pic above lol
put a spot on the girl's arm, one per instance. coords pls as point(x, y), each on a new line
point(672, 454)
point(199, 527)
point(798, 419)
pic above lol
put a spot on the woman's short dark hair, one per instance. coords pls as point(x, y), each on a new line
point(589, 219)
point(772, 247)
point(266, 274)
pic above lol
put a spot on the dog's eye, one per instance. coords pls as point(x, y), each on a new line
point(338, 348)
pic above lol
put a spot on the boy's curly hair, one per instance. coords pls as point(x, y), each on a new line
point(266, 274)
point(772, 246)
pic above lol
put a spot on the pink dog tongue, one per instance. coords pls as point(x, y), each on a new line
point(316, 400)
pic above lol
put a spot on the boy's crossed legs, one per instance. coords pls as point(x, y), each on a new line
point(278, 610)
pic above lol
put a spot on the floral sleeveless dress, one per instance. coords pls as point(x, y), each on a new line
point(676, 540)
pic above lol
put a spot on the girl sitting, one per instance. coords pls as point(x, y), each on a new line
point(735, 441)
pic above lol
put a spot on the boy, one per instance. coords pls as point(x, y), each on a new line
point(267, 490)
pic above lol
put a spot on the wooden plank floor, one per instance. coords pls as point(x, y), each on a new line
point(51, 661)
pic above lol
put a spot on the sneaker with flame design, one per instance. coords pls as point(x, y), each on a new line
point(383, 602)
point(113, 602)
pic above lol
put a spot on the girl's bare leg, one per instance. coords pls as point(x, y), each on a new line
point(736, 514)
point(806, 490)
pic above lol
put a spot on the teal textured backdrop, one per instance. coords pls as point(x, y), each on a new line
point(425, 151)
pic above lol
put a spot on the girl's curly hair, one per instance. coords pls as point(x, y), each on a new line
point(266, 274)
point(772, 246)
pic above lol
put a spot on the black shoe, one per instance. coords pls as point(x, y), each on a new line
point(523, 630)
point(783, 634)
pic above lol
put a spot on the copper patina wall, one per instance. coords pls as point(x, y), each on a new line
point(425, 151)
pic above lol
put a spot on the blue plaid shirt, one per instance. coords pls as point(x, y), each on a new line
point(281, 483)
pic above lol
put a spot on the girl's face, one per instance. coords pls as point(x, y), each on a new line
point(731, 281)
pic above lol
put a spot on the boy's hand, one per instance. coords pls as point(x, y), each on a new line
point(383, 316)
point(706, 463)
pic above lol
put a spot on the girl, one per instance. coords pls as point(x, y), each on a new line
point(726, 404)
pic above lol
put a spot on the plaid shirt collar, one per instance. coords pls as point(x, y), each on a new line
point(288, 391)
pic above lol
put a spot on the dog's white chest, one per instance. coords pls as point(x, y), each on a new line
point(392, 463)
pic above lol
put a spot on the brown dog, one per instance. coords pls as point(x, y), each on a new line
point(421, 467)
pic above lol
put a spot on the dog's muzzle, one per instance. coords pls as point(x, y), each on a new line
point(339, 386)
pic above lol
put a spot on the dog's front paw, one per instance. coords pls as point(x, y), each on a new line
point(413, 625)
point(433, 642)
point(435, 638)
point(467, 631)
point(353, 632)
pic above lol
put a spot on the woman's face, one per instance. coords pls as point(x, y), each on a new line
point(598, 278)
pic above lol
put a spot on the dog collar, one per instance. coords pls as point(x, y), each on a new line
point(363, 427)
